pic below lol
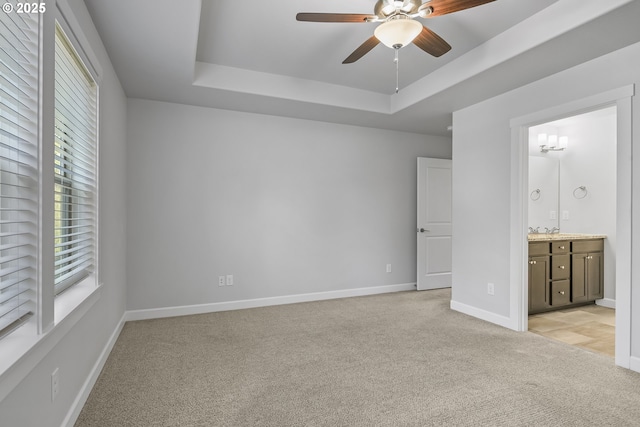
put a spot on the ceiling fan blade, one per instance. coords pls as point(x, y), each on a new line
point(431, 43)
point(362, 50)
point(334, 17)
point(443, 7)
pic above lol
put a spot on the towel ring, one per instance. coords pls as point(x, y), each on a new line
point(580, 192)
point(535, 194)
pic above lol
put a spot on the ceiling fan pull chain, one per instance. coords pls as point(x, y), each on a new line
point(397, 70)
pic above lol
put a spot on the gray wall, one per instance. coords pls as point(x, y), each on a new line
point(77, 352)
point(482, 198)
point(287, 206)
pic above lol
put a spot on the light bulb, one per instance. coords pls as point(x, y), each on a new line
point(542, 138)
point(563, 142)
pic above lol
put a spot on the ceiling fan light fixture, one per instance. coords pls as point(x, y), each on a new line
point(398, 32)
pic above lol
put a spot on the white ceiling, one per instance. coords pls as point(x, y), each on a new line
point(254, 56)
point(281, 45)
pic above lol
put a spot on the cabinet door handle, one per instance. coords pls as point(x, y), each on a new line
point(561, 292)
point(561, 247)
point(533, 262)
point(561, 267)
point(590, 257)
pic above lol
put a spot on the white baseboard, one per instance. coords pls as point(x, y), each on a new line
point(606, 302)
point(156, 313)
point(634, 363)
point(482, 314)
point(86, 388)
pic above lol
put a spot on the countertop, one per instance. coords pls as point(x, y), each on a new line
point(543, 237)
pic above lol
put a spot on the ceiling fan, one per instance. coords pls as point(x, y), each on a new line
point(398, 26)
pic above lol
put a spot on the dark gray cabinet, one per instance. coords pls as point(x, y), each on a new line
point(564, 273)
point(538, 283)
point(587, 270)
point(539, 276)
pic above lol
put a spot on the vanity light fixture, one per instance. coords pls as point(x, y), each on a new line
point(552, 142)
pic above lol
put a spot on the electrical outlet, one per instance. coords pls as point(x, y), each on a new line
point(221, 281)
point(490, 289)
point(565, 215)
point(54, 384)
point(229, 279)
point(553, 215)
point(388, 268)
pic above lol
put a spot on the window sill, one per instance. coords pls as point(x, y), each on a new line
point(24, 348)
point(67, 302)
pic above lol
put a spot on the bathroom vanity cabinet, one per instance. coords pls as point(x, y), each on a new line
point(563, 273)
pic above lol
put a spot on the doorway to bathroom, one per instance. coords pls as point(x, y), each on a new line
point(620, 262)
point(572, 200)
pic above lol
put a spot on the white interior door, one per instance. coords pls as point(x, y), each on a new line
point(434, 223)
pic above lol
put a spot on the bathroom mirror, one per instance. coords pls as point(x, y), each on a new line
point(572, 186)
point(544, 174)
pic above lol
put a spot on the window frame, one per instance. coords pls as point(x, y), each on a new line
point(67, 182)
point(24, 348)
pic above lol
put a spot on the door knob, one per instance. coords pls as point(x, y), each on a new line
point(423, 230)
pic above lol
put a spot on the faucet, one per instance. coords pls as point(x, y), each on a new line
point(553, 230)
point(534, 230)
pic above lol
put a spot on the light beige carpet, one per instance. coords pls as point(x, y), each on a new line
point(401, 359)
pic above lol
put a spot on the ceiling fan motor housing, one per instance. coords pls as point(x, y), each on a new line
point(386, 8)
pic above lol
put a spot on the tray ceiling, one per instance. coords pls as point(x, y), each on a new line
point(254, 56)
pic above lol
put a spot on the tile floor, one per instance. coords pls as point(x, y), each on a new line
point(591, 327)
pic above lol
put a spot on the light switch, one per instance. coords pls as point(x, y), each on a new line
point(553, 215)
point(565, 215)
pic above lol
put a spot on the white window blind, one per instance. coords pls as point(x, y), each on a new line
point(18, 168)
point(75, 167)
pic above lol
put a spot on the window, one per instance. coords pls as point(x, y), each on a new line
point(18, 168)
point(45, 153)
point(75, 167)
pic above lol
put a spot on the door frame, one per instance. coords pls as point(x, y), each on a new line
point(420, 197)
point(622, 99)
